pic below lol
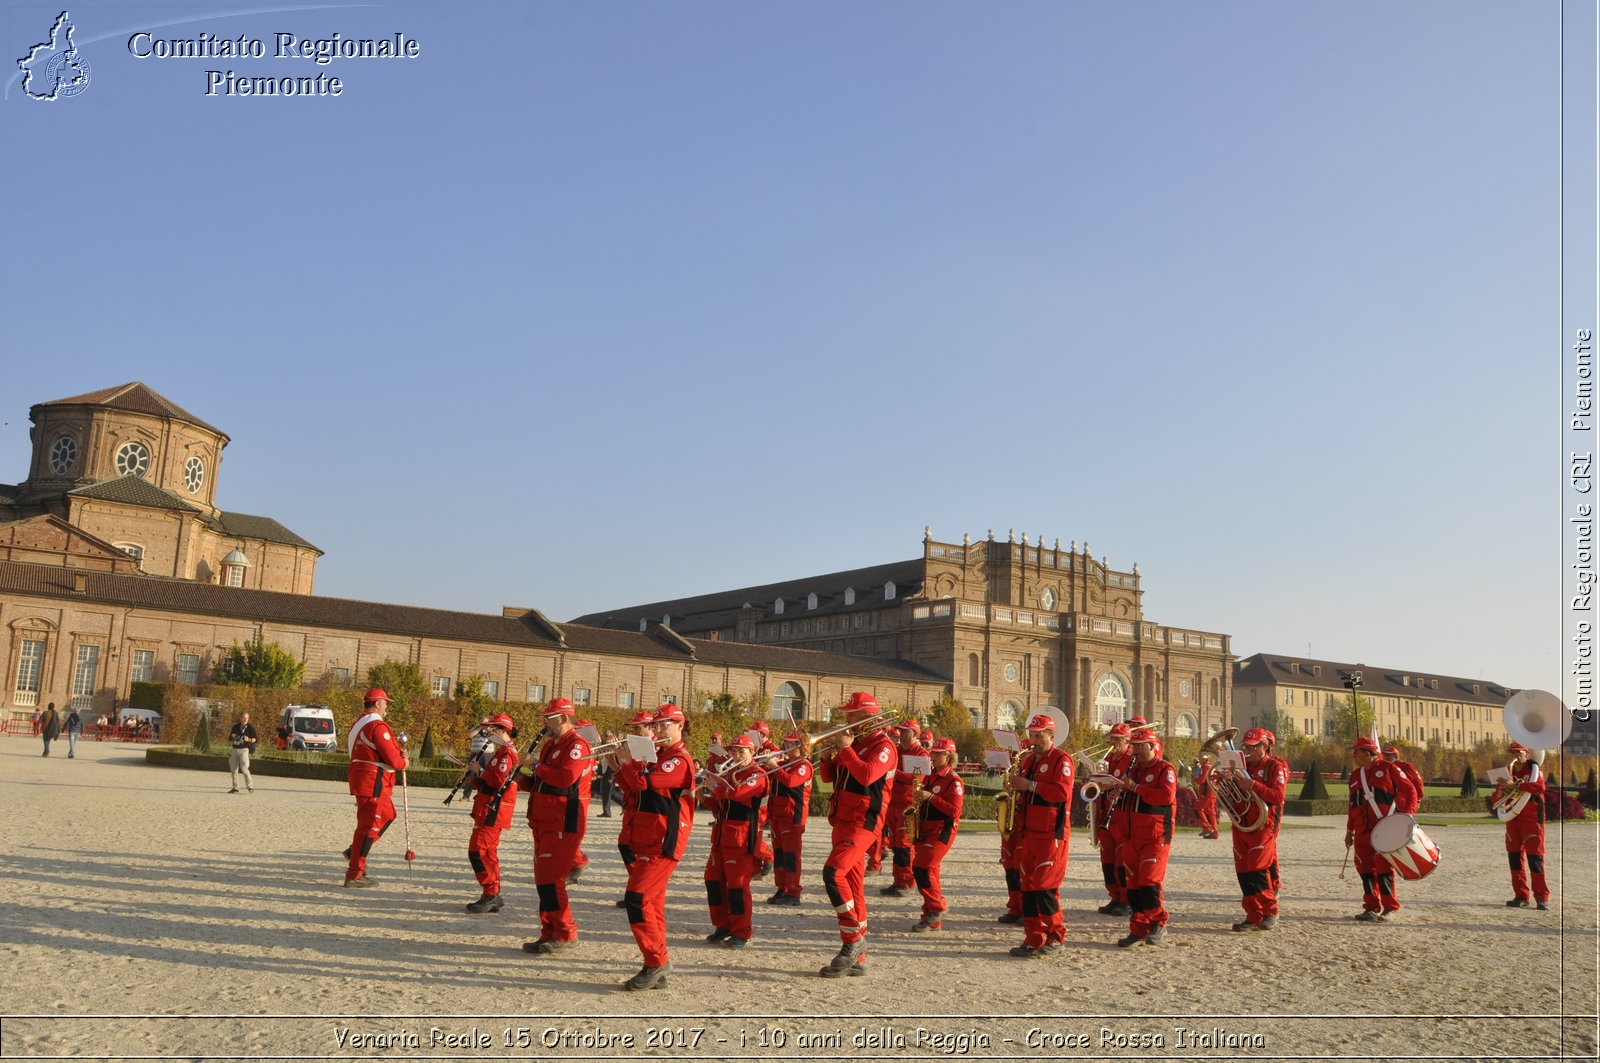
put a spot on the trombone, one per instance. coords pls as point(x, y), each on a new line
point(605, 749)
point(808, 743)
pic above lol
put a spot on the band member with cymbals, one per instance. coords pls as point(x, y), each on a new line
point(789, 807)
point(859, 770)
point(494, 783)
point(1151, 797)
point(1255, 853)
point(1205, 797)
point(375, 757)
point(1042, 784)
point(664, 793)
point(894, 826)
point(559, 816)
point(1377, 790)
point(735, 796)
point(1525, 831)
point(938, 812)
point(1111, 827)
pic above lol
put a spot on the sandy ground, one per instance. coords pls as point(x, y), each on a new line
point(151, 914)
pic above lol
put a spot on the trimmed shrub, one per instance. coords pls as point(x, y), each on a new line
point(1469, 782)
point(427, 744)
point(1314, 789)
point(202, 736)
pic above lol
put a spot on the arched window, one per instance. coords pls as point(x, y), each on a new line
point(1111, 701)
point(777, 606)
point(849, 596)
point(1184, 728)
point(789, 702)
point(811, 600)
point(1006, 718)
point(888, 590)
point(974, 670)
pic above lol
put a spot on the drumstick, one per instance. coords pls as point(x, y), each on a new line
point(1346, 862)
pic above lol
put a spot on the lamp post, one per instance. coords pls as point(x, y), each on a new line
point(1352, 683)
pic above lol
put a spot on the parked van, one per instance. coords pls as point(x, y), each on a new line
point(307, 727)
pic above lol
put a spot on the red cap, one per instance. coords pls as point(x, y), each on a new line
point(642, 716)
point(862, 702)
point(668, 712)
point(943, 745)
point(1143, 737)
point(1391, 749)
point(1365, 745)
point(1137, 722)
point(927, 736)
point(1518, 747)
point(374, 695)
point(909, 725)
point(1042, 722)
point(1258, 736)
point(742, 742)
point(792, 736)
point(761, 725)
point(502, 721)
point(558, 707)
point(1118, 731)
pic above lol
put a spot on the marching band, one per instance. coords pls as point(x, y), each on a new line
point(903, 793)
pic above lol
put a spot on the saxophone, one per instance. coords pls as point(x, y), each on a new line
point(914, 811)
point(1005, 803)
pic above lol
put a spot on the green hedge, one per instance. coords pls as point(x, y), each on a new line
point(301, 766)
point(1339, 806)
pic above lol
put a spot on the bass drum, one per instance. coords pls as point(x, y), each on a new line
point(1406, 846)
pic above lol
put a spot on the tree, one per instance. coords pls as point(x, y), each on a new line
point(1354, 718)
point(259, 663)
point(401, 680)
point(472, 697)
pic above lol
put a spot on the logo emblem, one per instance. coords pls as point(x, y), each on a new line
point(54, 69)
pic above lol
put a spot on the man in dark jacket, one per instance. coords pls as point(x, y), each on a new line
point(49, 727)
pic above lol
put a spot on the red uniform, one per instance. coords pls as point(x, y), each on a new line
point(896, 836)
point(1376, 791)
point(1525, 834)
point(1113, 830)
point(732, 864)
point(493, 806)
point(664, 793)
point(1205, 800)
point(1148, 812)
point(559, 816)
point(859, 774)
point(939, 819)
point(789, 806)
point(1008, 862)
point(1255, 854)
point(374, 759)
point(1042, 814)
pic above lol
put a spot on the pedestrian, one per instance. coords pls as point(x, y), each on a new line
point(74, 729)
point(242, 739)
point(49, 727)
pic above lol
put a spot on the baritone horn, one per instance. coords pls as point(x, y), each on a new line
point(1246, 811)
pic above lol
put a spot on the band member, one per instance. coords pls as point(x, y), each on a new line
point(859, 770)
point(374, 759)
point(494, 782)
point(1111, 830)
point(1151, 786)
point(1377, 790)
point(1525, 830)
point(643, 723)
point(1392, 755)
point(1205, 797)
point(1042, 784)
point(894, 826)
point(789, 807)
point(766, 752)
point(938, 812)
point(664, 795)
point(1255, 853)
point(559, 816)
point(736, 795)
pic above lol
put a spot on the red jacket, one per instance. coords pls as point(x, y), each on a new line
point(904, 782)
point(1044, 809)
point(738, 798)
point(1116, 764)
point(791, 793)
point(555, 798)
point(941, 812)
point(1150, 806)
point(665, 795)
point(496, 786)
point(374, 757)
point(859, 776)
point(1530, 780)
point(1390, 792)
point(1269, 780)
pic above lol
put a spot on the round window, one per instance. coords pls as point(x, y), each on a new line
point(1048, 599)
point(194, 474)
point(1011, 673)
point(1184, 688)
point(133, 459)
point(63, 455)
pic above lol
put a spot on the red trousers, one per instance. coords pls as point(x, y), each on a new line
point(1377, 877)
point(1041, 867)
point(925, 863)
point(483, 853)
point(1255, 863)
point(728, 875)
point(1008, 861)
point(646, 901)
point(1525, 835)
point(787, 839)
point(554, 855)
point(373, 816)
point(843, 876)
point(899, 841)
point(1111, 868)
point(1144, 864)
point(1206, 812)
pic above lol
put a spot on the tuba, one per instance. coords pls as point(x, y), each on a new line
point(1245, 810)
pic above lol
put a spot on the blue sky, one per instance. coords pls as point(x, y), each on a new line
point(594, 304)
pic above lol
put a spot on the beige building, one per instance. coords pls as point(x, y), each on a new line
point(1411, 706)
point(124, 467)
point(1011, 625)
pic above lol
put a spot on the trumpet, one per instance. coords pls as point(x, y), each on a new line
point(605, 749)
